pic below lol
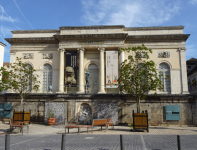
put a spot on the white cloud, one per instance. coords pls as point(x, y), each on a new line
point(23, 14)
point(193, 2)
point(127, 12)
point(6, 17)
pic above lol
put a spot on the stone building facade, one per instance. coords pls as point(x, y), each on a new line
point(87, 50)
point(192, 75)
point(2, 45)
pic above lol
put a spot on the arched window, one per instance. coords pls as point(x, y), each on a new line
point(164, 69)
point(47, 77)
point(29, 87)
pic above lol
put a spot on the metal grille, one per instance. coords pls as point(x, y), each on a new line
point(47, 77)
point(165, 79)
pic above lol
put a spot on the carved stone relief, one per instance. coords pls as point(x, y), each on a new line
point(28, 56)
point(47, 56)
point(163, 54)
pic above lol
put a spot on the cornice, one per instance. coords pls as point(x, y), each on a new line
point(91, 27)
point(157, 38)
point(49, 40)
point(116, 36)
point(2, 44)
point(35, 31)
point(154, 28)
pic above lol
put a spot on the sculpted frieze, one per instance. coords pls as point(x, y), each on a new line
point(28, 56)
point(47, 56)
point(163, 54)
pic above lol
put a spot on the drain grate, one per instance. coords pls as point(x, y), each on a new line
point(88, 138)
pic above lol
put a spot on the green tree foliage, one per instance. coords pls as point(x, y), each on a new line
point(138, 74)
point(20, 78)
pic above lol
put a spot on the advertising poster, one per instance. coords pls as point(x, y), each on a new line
point(71, 69)
point(111, 69)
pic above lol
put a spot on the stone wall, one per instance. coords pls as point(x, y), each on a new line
point(117, 107)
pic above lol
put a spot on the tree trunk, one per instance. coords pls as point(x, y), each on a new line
point(138, 106)
point(21, 101)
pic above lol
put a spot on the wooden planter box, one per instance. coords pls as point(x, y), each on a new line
point(23, 116)
point(140, 121)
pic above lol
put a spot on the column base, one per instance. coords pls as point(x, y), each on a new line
point(61, 92)
point(81, 92)
point(101, 92)
point(185, 92)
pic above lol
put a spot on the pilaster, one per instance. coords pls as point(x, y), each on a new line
point(184, 86)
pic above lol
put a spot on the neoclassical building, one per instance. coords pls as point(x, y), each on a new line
point(47, 50)
point(2, 45)
point(79, 67)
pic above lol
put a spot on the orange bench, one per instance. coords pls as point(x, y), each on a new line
point(18, 125)
point(109, 123)
point(96, 122)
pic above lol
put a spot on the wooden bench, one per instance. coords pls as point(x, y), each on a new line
point(77, 126)
point(109, 123)
point(96, 122)
point(18, 125)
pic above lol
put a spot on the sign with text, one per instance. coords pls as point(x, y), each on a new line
point(111, 69)
point(71, 68)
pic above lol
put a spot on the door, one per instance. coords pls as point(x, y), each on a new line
point(93, 78)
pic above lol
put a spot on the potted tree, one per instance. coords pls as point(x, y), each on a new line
point(51, 117)
point(138, 76)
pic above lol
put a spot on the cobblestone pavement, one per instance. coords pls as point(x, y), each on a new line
point(42, 137)
point(37, 129)
point(99, 142)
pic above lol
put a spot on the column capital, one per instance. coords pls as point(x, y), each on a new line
point(81, 49)
point(182, 49)
point(61, 49)
point(101, 49)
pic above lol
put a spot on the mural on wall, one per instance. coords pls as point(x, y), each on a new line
point(71, 68)
point(163, 54)
point(85, 115)
point(111, 69)
point(28, 56)
point(47, 56)
point(108, 111)
point(59, 111)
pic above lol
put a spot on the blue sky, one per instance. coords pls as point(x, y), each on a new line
point(51, 14)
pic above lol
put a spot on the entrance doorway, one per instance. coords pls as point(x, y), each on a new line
point(93, 78)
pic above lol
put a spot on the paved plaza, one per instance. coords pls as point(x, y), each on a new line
point(43, 137)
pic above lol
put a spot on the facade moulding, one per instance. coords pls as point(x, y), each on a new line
point(84, 37)
point(45, 40)
point(157, 38)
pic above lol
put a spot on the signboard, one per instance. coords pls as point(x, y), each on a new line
point(172, 112)
point(111, 69)
point(71, 68)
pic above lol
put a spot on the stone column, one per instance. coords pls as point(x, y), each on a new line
point(61, 71)
point(81, 70)
point(184, 86)
point(101, 72)
point(121, 57)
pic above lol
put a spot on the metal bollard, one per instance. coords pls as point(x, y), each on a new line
point(63, 142)
point(7, 142)
point(121, 142)
point(178, 142)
